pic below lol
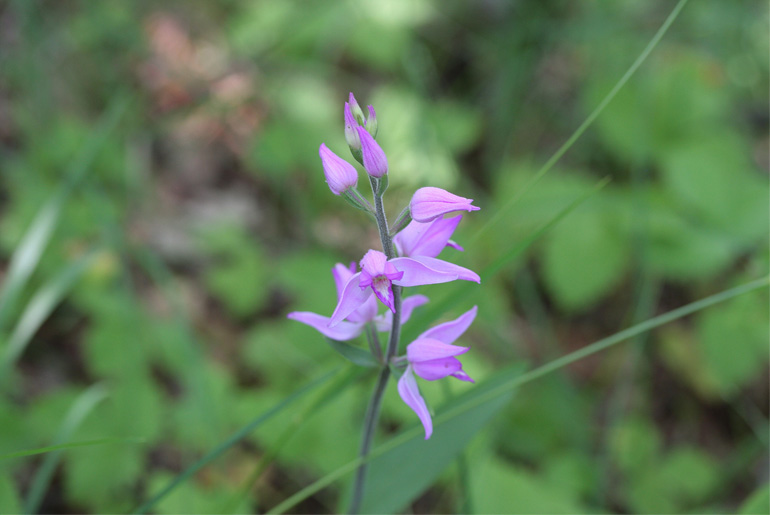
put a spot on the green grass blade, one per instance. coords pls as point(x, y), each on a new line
point(39, 308)
point(71, 445)
point(27, 254)
point(235, 438)
point(517, 381)
point(504, 210)
point(80, 409)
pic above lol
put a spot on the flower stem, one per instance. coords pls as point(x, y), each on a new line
point(370, 423)
point(374, 342)
point(382, 221)
point(373, 410)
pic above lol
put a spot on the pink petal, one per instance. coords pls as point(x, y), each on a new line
point(428, 349)
point(437, 368)
point(426, 239)
point(366, 313)
point(424, 270)
point(374, 262)
point(429, 203)
point(462, 376)
point(410, 394)
point(351, 299)
point(384, 321)
point(342, 331)
point(342, 275)
point(448, 332)
point(450, 268)
point(454, 245)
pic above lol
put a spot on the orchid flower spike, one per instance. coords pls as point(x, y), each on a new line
point(427, 239)
point(375, 162)
point(340, 175)
point(378, 275)
point(354, 323)
point(430, 203)
point(432, 356)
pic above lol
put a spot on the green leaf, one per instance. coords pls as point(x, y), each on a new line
point(398, 476)
point(682, 250)
point(682, 480)
point(197, 497)
point(356, 355)
point(235, 438)
point(9, 497)
point(500, 487)
point(82, 407)
point(758, 502)
point(635, 444)
point(239, 275)
point(584, 257)
point(714, 180)
point(734, 342)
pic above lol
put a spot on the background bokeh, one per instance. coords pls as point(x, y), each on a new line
point(161, 159)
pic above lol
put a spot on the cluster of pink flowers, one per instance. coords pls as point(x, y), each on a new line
point(410, 258)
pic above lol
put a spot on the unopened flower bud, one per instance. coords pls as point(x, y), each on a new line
point(351, 134)
point(340, 175)
point(371, 122)
point(375, 162)
point(355, 109)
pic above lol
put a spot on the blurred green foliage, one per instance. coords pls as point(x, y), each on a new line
point(209, 219)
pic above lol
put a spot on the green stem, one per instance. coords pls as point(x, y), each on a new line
point(374, 342)
point(370, 423)
point(382, 221)
point(373, 411)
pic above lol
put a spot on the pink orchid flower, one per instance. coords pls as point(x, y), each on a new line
point(378, 274)
point(432, 356)
point(354, 323)
point(430, 203)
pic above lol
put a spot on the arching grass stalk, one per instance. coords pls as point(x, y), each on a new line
point(504, 210)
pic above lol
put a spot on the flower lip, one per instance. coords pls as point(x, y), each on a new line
point(340, 175)
point(430, 203)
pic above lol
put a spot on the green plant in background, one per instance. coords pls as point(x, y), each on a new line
point(154, 369)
